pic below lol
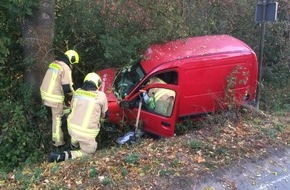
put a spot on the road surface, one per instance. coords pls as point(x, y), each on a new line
point(270, 173)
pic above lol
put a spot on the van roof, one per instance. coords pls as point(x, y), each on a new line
point(158, 54)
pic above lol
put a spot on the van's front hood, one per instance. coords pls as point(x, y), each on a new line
point(107, 77)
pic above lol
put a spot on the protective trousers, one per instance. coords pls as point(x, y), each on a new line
point(88, 146)
point(57, 133)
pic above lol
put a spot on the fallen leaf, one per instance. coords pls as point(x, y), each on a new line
point(199, 159)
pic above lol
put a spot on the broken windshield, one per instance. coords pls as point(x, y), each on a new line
point(126, 79)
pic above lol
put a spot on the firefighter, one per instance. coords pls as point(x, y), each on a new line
point(88, 105)
point(56, 85)
point(159, 100)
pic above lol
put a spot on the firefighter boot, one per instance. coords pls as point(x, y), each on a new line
point(56, 157)
point(58, 144)
point(74, 147)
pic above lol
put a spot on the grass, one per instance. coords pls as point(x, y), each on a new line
point(152, 163)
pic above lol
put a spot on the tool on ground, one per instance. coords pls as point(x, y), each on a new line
point(131, 136)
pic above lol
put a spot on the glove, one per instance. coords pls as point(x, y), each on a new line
point(67, 100)
point(151, 103)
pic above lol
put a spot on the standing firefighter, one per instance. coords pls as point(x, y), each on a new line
point(88, 106)
point(57, 84)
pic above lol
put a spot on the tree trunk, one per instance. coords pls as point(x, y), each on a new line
point(38, 33)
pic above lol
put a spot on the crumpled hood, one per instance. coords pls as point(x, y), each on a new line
point(107, 76)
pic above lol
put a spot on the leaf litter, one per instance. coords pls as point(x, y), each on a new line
point(158, 163)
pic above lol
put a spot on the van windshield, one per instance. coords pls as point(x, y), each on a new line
point(126, 79)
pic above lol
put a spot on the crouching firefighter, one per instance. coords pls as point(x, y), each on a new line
point(56, 85)
point(89, 105)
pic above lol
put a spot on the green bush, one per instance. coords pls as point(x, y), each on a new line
point(113, 37)
point(21, 136)
point(107, 35)
point(187, 125)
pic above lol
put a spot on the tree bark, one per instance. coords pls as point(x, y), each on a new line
point(38, 34)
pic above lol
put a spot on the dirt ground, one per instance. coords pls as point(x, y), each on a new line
point(222, 152)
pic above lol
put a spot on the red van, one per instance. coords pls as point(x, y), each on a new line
point(205, 74)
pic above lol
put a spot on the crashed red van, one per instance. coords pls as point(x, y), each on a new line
point(206, 74)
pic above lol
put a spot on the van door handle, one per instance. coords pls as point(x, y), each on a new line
point(166, 124)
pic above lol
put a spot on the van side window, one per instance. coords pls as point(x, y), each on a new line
point(169, 77)
point(164, 78)
point(159, 100)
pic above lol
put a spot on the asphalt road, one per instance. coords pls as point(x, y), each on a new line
point(269, 173)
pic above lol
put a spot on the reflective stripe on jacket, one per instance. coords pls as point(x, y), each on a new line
point(162, 101)
point(57, 75)
point(156, 94)
point(161, 93)
point(87, 108)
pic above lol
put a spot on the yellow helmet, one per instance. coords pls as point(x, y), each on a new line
point(72, 56)
point(95, 78)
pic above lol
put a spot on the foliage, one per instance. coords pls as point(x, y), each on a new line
point(11, 15)
point(113, 33)
point(110, 132)
point(20, 131)
point(239, 22)
point(78, 26)
point(182, 128)
point(238, 75)
point(275, 74)
point(196, 145)
point(122, 30)
point(277, 98)
point(132, 159)
point(156, 163)
point(204, 17)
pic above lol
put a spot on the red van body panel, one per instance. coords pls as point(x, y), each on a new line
point(209, 72)
point(220, 45)
point(115, 114)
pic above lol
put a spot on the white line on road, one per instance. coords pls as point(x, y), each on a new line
point(264, 186)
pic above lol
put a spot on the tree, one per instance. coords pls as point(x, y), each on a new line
point(38, 34)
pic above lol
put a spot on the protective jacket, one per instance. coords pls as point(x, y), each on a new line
point(87, 109)
point(161, 100)
point(57, 75)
